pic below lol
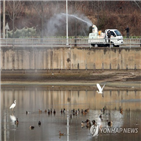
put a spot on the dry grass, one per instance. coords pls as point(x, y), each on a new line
point(103, 14)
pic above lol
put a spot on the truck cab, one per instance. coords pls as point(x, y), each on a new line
point(116, 37)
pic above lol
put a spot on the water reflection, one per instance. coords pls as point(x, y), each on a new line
point(30, 100)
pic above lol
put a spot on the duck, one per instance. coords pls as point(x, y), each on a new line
point(48, 112)
point(78, 110)
point(104, 109)
point(51, 111)
point(81, 111)
point(64, 110)
point(86, 123)
point(40, 111)
point(110, 123)
point(71, 116)
point(26, 112)
point(61, 111)
point(121, 110)
point(93, 122)
point(54, 112)
point(39, 123)
point(31, 127)
point(61, 134)
point(17, 121)
point(100, 116)
point(86, 110)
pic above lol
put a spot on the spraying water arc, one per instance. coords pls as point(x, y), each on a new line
point(78, 24)
point(74, 16)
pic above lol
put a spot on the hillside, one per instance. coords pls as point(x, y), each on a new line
point(49, 17)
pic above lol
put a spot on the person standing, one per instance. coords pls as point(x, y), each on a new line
point(109, 36)
point(127, 31)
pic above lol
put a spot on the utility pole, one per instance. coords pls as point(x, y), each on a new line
point(4, 19)
point(67, 22)
point(13, 17)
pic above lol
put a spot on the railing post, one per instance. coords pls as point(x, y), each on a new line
point(130, 42)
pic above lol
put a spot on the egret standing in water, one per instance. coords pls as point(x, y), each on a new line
point(100, 89)
point(13, 105)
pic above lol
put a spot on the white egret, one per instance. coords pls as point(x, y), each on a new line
point(13, 105)
point(100, 89)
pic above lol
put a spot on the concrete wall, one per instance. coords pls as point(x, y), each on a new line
point(69, 58)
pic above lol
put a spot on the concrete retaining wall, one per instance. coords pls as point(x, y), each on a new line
point(70, 58)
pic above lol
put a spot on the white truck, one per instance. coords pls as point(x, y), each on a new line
point(101, 39)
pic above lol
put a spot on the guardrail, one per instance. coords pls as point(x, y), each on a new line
point(54, 42)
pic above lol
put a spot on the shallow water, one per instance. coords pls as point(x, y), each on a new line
point(34, 98)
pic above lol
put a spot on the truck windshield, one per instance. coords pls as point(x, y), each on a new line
point(117, 33)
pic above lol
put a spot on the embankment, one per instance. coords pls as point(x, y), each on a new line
point(43, 63)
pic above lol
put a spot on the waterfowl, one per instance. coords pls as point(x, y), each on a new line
point(100, 90)
point(27, 112)
point(40, 111)
point(81, 111)
point(110, 123)
point(61, 111)
point(16, 122)
point(64, 110)
point(70, 116)
point(121, 110)
point(39, 123)
point(61, 134)
point(31, 127)
point(87, 123)
point(83, 122)
point(93, 122)
point(100, 116)
point(48, 112)
point(78, 110)
point(13, 105)
point(86, 110)
point(54, 112)
point(51, 111)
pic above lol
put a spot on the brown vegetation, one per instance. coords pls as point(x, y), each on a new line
point(105, 14)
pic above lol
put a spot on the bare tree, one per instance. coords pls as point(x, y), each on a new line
point(14, 9)
point(39, 7)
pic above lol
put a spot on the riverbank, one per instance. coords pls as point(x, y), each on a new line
point(73, 79)
point(71, 75)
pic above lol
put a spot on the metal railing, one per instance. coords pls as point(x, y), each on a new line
point(61, 42)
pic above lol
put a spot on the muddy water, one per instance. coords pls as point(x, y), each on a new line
point(127, 124)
